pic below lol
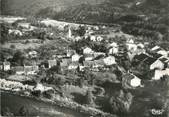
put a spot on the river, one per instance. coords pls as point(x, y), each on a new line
point(35, 107)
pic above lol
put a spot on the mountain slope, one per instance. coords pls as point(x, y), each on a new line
point(31, 7)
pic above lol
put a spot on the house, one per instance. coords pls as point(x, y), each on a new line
point(99, 38)
point(70, 52)
point(69, 33)
point(156, 48)
point(140, 45)
point(159, 50)
point(19, 70)
point(6, 66)
point(157, 64)
point(163, 53)
point(130, 40)
point(113, 44)
point(131, 81)
point(135, 82)
point(73, 65)
point(52, 63)
point(87, 50)
point(88, 57)
point(131, 46)
point(98, 63)
point(78, 38)
point(15, 32)
point(113, 50)
point(65, 62)
point(93, 38)
point(160, 73)
point(110, 60)
point(88, 64)
point(30, 70)
point(24, 25)
point(33, 54)
point(1, 65)
point(97, 54)
point(41, 88)
point(139, 58)
point(75, 57)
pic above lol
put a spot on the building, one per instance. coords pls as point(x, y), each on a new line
point(19, 70)
point(33, 54)
point(1, 65)
point(160, 73)
point(30, 70)
point(73, 65)
point(110, 60)
point(52, 63)
point(24, 25)
point(6, 66)
point(75, 57)
point(99, 38)
point(93, 38)
point(131, 81)
point(113, 50)
point(88, 57)
point(69, 52)
point(131, 47)
point(157, 65)
point(87, 50)
point(65, 62)
point(69, 33)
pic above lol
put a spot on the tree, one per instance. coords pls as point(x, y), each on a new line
point(19, 58)
point(81, 31)
point(23, 111)
point(7, 112)
point(121, 102)
point(89, 98)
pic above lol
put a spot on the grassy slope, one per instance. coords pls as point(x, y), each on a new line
point(23, 7)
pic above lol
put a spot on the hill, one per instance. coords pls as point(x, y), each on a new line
point(31, 7)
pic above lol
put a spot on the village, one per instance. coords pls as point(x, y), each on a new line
point(71, 60)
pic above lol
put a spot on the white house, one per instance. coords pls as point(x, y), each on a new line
point(157, 65)
point(76, 57)
point(99, 38)
point(69, 33)
point(77, 38)
point(52, 63)
point(33, 54)
point(24, 25)
point(6, 66)
point(130, 40)
point(140, 45)
point(135, 82)
point(163, 53)
point(87, 50)
point(113, 50)
point(113, 44)
point(155, 48)
point(40, 87)
point(73, 65)
point(93, 38)
point(109, 60)
point(15, 32)
point(160, 73)
point(131, 46)
point(88, 57)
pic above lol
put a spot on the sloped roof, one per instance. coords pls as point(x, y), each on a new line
point(150, 60)
point(19, 68)
point(52, 62)
point(141, 57)
point(66, 62)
